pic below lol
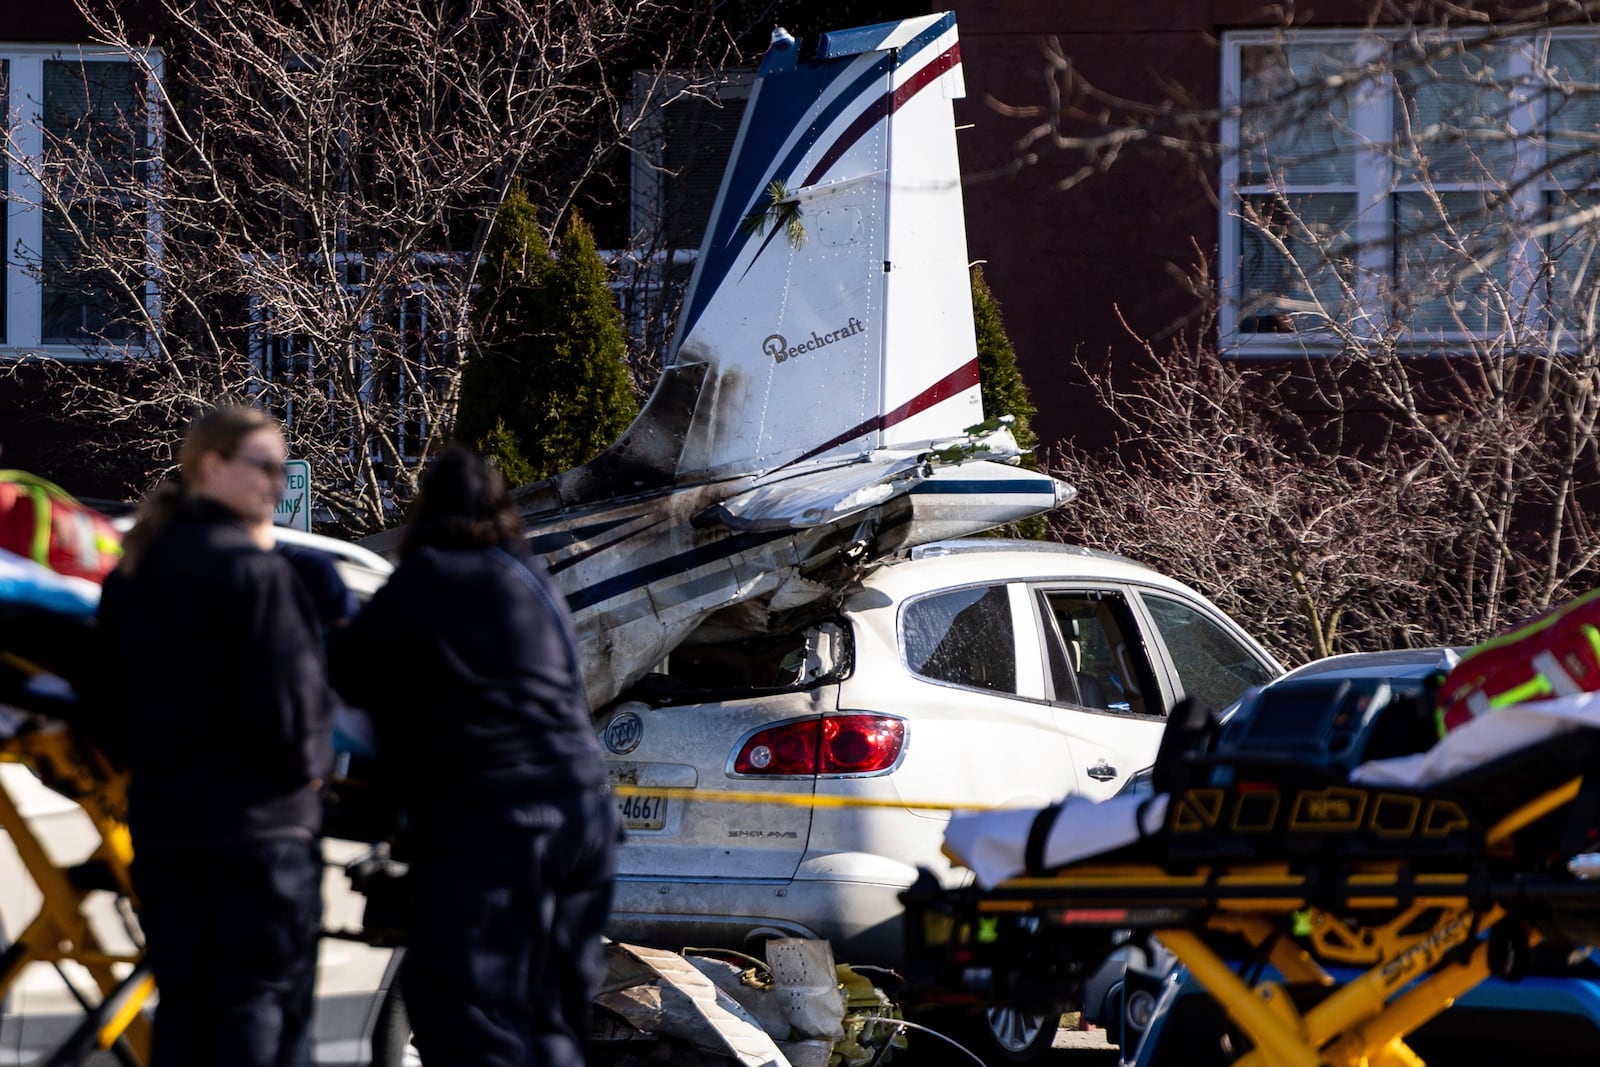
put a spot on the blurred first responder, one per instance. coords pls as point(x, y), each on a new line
point(218, 688)
point(467, 663)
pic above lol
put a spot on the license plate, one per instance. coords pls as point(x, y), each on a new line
point(643, 813)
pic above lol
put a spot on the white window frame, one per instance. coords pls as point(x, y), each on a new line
point(1377, 185)
point(23, 314)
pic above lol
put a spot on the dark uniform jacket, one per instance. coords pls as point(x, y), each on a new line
point(218, 684)
point(467, 664)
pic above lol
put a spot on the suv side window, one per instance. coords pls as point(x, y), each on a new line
point(1096, 657)
point(963, 637)
point(1212, 665)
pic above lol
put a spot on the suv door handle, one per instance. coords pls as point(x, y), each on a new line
point(1102, 772)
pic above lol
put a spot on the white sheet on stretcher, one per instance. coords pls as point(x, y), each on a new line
point(1483, 740)
point(992, 843)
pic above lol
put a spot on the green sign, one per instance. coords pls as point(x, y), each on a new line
point(294, 506)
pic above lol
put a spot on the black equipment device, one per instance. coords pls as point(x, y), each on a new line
point(1338, 719)
point(1325, 719)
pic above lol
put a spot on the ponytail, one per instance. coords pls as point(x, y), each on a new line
point(154, 515)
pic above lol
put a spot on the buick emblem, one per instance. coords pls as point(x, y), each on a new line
point(623, 733)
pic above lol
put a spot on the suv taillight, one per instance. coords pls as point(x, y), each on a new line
point(837, 744)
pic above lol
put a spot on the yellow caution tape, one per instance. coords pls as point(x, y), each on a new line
point(798, 800)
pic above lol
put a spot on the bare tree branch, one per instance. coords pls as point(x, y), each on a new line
point(291, 205)
point(1416, 461)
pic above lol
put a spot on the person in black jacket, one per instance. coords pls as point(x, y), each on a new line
point(467, 663)
point(218, 684)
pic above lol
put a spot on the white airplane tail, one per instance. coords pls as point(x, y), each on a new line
point(819, 411)
point(829, 314)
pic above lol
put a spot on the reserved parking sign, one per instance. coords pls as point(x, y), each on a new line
point(294, 506)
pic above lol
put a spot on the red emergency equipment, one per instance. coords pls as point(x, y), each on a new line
point(1554, 654)
point(43, 522)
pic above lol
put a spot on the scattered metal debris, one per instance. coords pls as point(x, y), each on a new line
point(797, 1008)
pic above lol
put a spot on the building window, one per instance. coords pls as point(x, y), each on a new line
point(1412, 187)
point(405, 359)
point(80, 159)
point(680, 151)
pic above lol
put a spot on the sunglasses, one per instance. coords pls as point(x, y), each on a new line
point(272, 468)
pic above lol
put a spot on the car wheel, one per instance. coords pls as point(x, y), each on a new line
point(998, 1037)
point(391, 1037)
point(1012, 1036)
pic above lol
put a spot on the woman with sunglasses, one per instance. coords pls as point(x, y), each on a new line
point(218, 687)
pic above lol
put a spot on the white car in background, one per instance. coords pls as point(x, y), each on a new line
point(967, 673)
point(355, 1023)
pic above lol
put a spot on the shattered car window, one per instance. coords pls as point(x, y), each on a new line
point(1212, 664)
point(963, 637)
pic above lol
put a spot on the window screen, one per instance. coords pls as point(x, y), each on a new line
point(697, 137)
point(94, 109)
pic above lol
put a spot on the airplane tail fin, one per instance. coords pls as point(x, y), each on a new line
point(830, 311)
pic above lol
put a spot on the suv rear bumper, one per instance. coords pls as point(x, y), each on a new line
point(861, 919)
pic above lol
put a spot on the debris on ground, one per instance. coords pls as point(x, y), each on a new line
point(796, 1008)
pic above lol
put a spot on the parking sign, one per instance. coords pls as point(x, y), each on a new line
point(294, 506)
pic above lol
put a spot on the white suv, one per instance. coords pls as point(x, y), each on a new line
point(971, 673)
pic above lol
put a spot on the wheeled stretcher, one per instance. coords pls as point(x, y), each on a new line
point(87, 907)
point(63, 930)
point(79, 898)
point(1427, 873)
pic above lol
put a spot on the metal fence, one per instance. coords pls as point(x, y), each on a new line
point(403, 344)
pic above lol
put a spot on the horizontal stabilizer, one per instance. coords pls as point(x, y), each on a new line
point(798, 498)
point(817, 498)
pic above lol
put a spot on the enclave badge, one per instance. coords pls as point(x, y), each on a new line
point(623, 733)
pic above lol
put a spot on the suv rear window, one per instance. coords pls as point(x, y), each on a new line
point(963, 637)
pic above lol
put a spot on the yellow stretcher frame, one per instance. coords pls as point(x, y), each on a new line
point(62, 930)
point(1414, 971)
